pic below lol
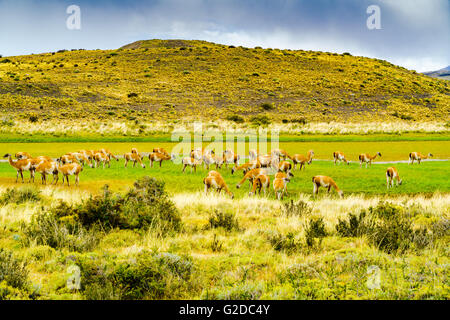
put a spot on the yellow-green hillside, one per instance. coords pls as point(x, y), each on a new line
point(175, 79)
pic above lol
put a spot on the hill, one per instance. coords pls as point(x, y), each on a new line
point(173, 79)
point(443, 73)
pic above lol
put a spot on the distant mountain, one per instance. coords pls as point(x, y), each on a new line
point(443, 73)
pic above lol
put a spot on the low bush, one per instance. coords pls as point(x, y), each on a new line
point(20, 195)
point(14, 283)
point(299, 208)
point(146, 276)
point(219, 219)
point(286, 243)
point(235, 118)
point(260, 120)
point(314, 228)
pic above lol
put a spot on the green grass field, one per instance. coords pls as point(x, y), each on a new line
point(425, 178)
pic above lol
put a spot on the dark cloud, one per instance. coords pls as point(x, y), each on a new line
point(414, 32)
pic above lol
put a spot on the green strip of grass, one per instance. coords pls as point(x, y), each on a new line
point(429, 177)
point(39, 138)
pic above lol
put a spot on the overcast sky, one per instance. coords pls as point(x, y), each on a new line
point(413, 34)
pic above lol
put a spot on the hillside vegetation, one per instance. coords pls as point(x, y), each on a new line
point(178, 79)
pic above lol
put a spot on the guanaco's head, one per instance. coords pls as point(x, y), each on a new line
point(341, 194)
point(430, 155)
point(400, 182)
point(379, 154)
point(7, 155)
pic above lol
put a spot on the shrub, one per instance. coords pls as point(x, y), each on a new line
point(14, 281)
point(299, 208)
point(267, 106)
point(132, 95)
point(300, 120)
point(218, 219)
point(146, 205)
point(20, 195)
point(314, 228)
point(47, 229)
point(286, 243)
point(236, 118)
point(260, 120)
point(33, 118)
point(147, 276)
point(354, 227)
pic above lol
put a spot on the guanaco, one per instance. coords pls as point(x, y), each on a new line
point(20, 166)
point(215, 180)
point(418, 156)
point(285, 166)
point(81, 158)
point(260, 182)
point(70, 169)
point(160, 150)
point(280, 153)
point(246, 167)
point(158, 157)
point(101, 157)
point(367, 158)
point(280, 184)
point(391, 175)
point(283, 175)
point(250, 176)
point(218, 161)
point(68, 158)
point(252, 155)
point(208, 160)
point(191, 162)
point(339, 156)
point(326, 182)
point(135, 157)
point(229, 157)
point(45, 168)
point(302, 160)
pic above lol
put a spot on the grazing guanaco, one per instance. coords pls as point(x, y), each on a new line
point(108, 153)
point(191, 162)
point(70, 169)
point(88, 154)
point(23, 155)
point(251, 175)
point(229, 157)
point(302, 160)
point(101, 157)
point(285, 166)
point(160, 150)
point(418, 156)
point(391, 175)
point(197, 154)
point(215, 180)
point(367, 158)
point(260, 182)
point(135, 157)
point(68, 158)
point(339, 156)
point(283, 175)
point(81, 158)
point(20, 166)
point(326, 182)
point(158, 157)
point(246, 167)
point(45, 168)
point(280, 184)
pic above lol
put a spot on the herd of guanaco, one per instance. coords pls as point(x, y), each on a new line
point(257, 171)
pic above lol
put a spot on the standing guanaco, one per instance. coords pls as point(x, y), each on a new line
point(23, 155)
point(302, 160)
point(339, 156)
point(285, 166)
point(250, 175)
point(280, 184)
point(229, 157)
point(246, 167)
point(215, 180)
point(418, 156)
point(101, 157)
point(367, 158)
point(191, 162)
point(70, 169)
point(391, 175)
point(45, 168)
point(280, 153)
point(20, 166)
point(326, 182)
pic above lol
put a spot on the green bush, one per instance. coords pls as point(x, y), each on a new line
point(146, 276)
point(219, 219)
point(354, 227)
point(14, 281)
point(260, 120)
point(286, 243)
point(48, 229)
point(299, 208)
point(146, 205)
point(314, 228)
point(267, 106)
point(236, 118)
point(20, 195)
